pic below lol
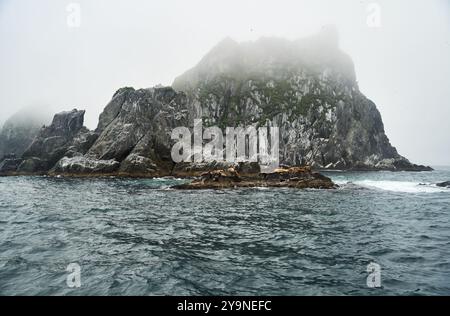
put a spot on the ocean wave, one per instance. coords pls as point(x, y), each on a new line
point(396, 186)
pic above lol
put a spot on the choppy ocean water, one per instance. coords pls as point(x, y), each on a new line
point(137, 237)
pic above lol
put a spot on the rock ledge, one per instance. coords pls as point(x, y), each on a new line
point(294, 177)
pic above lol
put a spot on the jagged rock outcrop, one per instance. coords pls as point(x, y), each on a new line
point(135, 129)
point(18, 132)
point(307, 88)
point(65, 136)
point(81, 142)
point(133, 138)
point(53, 142)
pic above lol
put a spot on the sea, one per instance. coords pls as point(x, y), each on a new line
point(121, 236)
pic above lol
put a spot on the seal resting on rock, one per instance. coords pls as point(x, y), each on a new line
point(293, 177)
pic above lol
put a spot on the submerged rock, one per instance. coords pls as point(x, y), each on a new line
point(300, 178)
point(445, 184)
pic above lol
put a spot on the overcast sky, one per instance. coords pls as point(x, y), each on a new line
point(403, 65)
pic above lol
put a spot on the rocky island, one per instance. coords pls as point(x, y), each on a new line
point(293, 177)
point(307, 88)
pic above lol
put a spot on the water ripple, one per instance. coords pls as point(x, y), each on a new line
point(137, 237)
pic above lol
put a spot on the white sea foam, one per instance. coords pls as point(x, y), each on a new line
point(162, 179)
point(397, 186)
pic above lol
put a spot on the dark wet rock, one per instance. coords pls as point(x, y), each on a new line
point(191, 169)
point(248, 168)
point(300, 178)
point(445, 184)
point(188, 169)
point(388, 164)
point(139, 165)
point(33, 165)
point(9, 165)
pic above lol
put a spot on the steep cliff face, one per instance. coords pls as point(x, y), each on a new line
point(134, 135)
point(307, 88)
point(19, 131)
point(136, 127)
point(53, 142)
point(64, 137)
point(133, 138)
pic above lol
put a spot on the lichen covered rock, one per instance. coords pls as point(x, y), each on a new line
point(84, 166)
point(307, 88)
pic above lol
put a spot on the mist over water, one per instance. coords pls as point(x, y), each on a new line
point(136, 237)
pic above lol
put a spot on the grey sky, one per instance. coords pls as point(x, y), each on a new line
point(403, 65)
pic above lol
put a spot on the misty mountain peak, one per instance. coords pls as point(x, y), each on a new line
point(271, 56)
point(226, 43)
point(329, 36)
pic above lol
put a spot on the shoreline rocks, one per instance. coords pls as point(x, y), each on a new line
point(294, 177)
